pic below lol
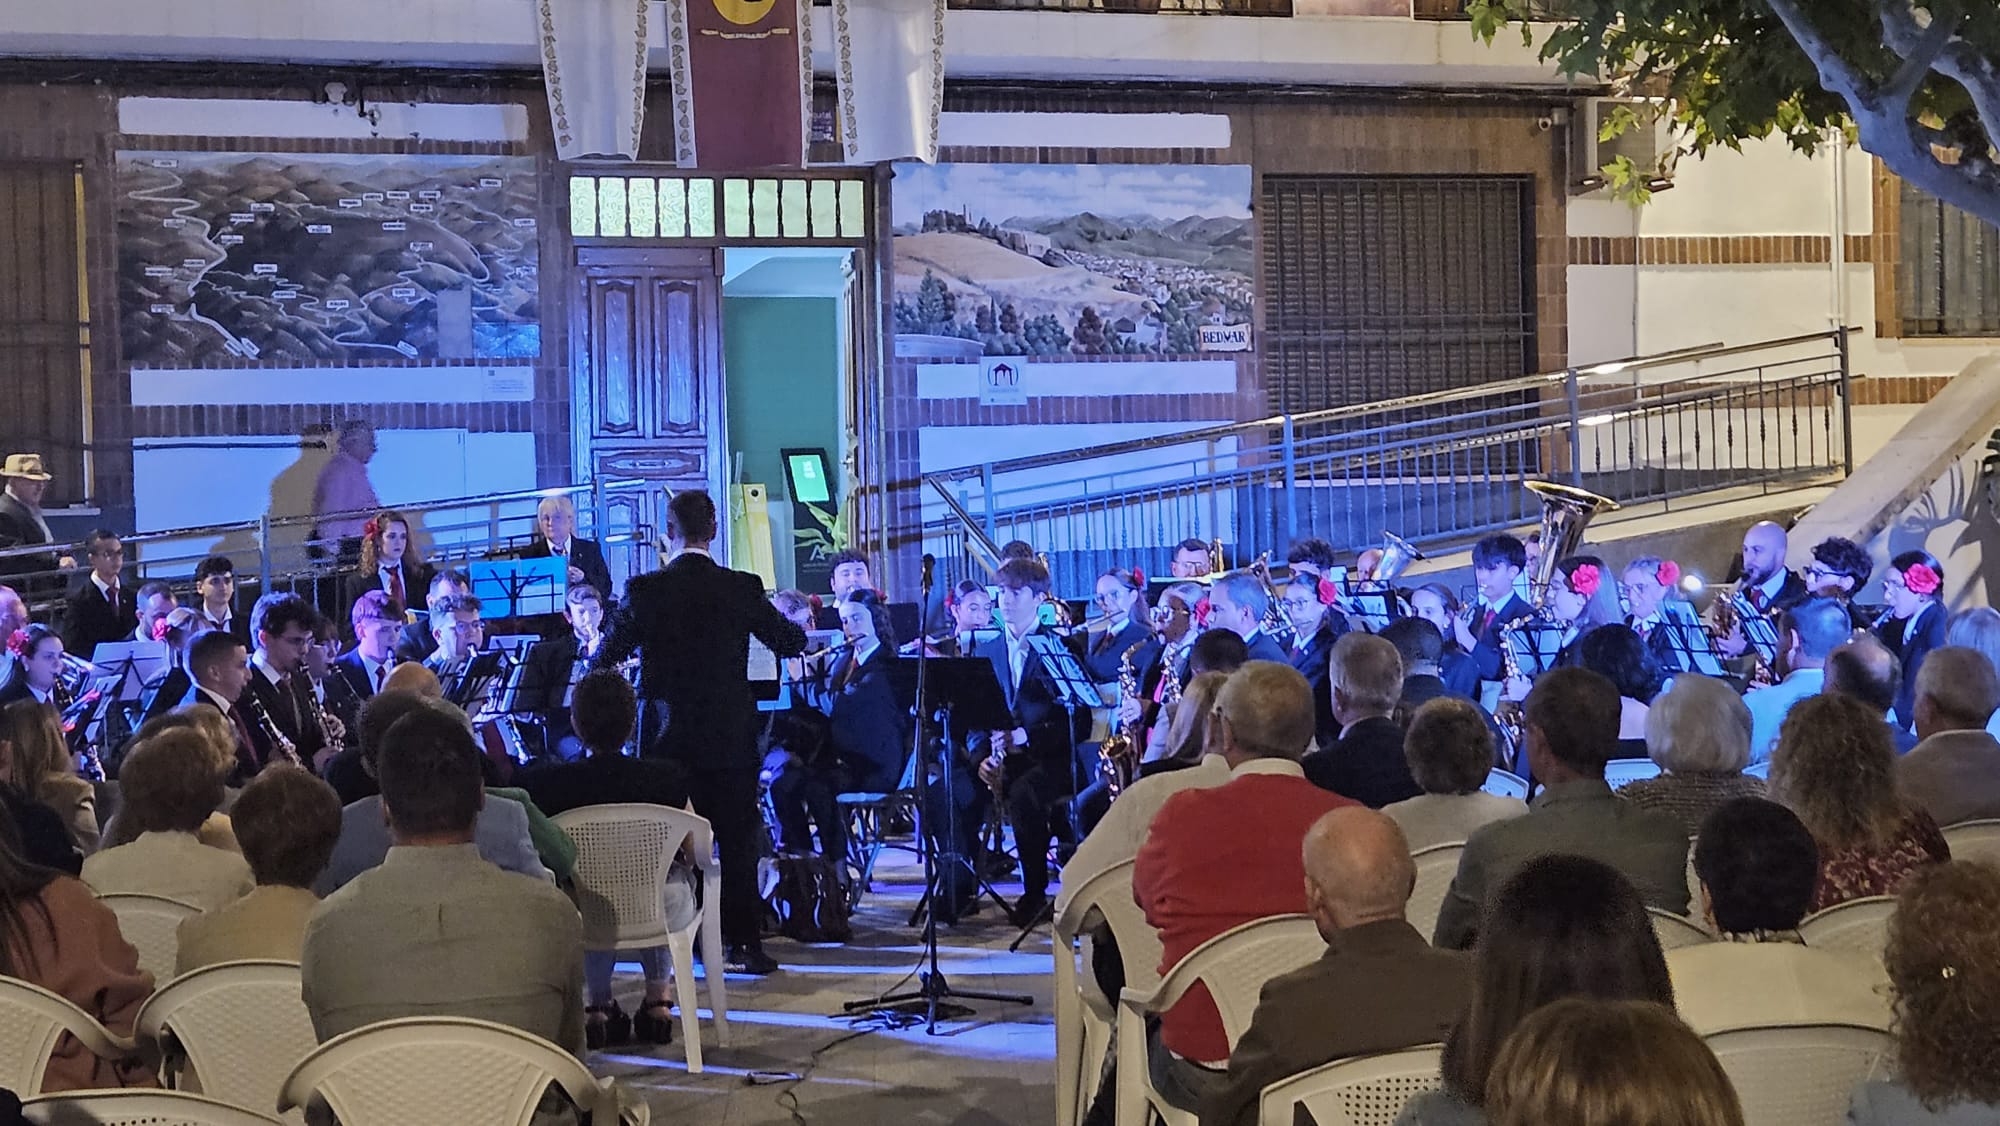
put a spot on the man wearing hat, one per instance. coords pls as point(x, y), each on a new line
point(21, 522)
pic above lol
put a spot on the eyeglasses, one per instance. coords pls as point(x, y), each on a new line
point(1893, 583)
point(1815, 571)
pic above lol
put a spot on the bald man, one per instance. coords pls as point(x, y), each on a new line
point(1379, 987)
point(1766, 583)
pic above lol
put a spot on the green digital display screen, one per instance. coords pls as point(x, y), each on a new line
point(808, 473)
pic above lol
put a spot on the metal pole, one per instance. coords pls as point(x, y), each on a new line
point(1291, 483)
point(1575, 397)
point(1846, 401)
point(264, 554)
point(986, 484)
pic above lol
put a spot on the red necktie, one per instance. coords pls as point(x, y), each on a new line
point(111, 594)
point(396, 585)
point(1488, 623)
point(1757, 597)
point(381, 671)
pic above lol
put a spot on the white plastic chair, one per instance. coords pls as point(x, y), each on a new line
point(32, 1020)
point(1858, 925)
point(1506, 783)
point(1084, 1015)
point(1800, 1075)
point(623, 854)
point(1974, 840)
point(446, 1069)
point(1677, 930)
point(1436, 867)
point(1365, 1091)
point(1234, 966)
point(152, 924)
point(137, 1108)
point(237, 1028)
point(1622, 772)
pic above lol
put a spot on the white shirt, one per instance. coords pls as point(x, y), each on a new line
point(215, 698)
point(1287, 767)
point(213, 622)
point(690, 551)
point(1773, 586)
point(1124, 826)
point(103, 587)
point(864, 649)
point(263, 666)
point(377, 671)
point(40, 696)
point(1017, 659)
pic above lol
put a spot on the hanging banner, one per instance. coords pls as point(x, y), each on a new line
point(889, 65)
point(594, 64)
point(742, 75)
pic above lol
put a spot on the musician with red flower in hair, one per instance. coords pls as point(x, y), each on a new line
point(1912, 587)
point(1647, 584)
point(388, 563)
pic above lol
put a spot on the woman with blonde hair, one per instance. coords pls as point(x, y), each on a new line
point(1944, 970)
point(1572, 1063)
point(1698, 731)
point(169, 786)
point(39, 764)
point(1187, 730)
point(1835, 766)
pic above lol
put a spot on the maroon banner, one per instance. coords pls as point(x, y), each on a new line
point(742, 75)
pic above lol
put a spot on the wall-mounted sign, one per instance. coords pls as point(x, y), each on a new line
point(1001, 381)
point(1225, 338)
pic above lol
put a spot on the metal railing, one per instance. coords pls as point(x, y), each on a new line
point(1436, 469)
point(283, 553)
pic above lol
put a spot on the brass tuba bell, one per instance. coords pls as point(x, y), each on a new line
point(1397, 555)
point(1566, 512)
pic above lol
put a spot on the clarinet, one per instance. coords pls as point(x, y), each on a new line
point(261, 716)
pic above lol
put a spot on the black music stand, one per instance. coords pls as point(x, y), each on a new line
point(966, 688)
point(1688, 643)
point(1075, 690)
point(478, 678)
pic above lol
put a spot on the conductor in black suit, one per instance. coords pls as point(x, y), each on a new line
point(555, 534)
point(1032, 762)
point(101, 608)
point(692, 621)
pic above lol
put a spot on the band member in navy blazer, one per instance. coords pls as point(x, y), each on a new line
point(1121, 597)
point(1496, 562)
point(1308, 604)
point(1914, 623)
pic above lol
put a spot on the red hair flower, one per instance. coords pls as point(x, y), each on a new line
point(371, 529)
point(814, 599)
point(17, 643)
point(1921, 579)
point(1201, 609)
point(1139, 578)
point(1586, 579)
point(160, 628)
point(1669, 572)
point(1328, 593)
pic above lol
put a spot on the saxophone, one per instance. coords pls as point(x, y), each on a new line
point(1507, 714)
point(1117, 756)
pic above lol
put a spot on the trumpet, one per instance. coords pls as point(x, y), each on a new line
point(1215, 565)
point(1274, 623)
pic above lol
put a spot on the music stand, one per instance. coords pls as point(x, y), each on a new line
point(1688, 644)
point(1761, 631)
point(520, 588)
point(477, 680)
point(143, 659)
point(1535, 645)
point(968, 689)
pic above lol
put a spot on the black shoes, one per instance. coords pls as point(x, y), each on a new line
point(654, 1023)
point(613, 1030)
point(750, 960)
point(1029, 909)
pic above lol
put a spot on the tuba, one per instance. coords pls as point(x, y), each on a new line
point(1397, 555)
point(1566, 512)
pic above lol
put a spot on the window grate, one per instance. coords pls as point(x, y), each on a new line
point(1948, 281)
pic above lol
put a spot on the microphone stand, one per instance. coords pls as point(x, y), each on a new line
point(932, 990)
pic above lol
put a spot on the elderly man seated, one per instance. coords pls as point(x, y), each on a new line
point(1953, 773)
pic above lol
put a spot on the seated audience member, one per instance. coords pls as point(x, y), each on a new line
point(1978, 628)
point(101, 608)
point(1421, 648)
point(1199, 873)
point(219, 741)
point(1617, 654)
point(38, 661)
point(1366, 763)
point(1865, 670)
point(501, 829)
point(389, 564)
point(607, 712)
point(1698, 732)
point(1570, 1063)
point(1757, 864)
point(1913, 623)
point(54, 933)
point(418, 642)
point(35, 759)
point(286, 822)
point(1836, 768)
point(1570, 724)
point(1379, 987)
point(1450, 752)
point(1944, 973)
point(555, 535)
point(1807, 635)
point(435, 929)
point(1561, 926)
point(166, 789)
point(215, 590)
point(1953, 774)
point(156, 602)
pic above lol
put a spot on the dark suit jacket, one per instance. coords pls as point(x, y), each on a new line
point(1312, 664)
point(18, 529)
point(1036, 706)
point(15, 689)
point(89, 619)
point(293, 709)
point(167, 693)
point(1460, 674)
point(1795, 592)
point(1378, 988)
point(247, 762)
point(601, 779)
point(1486, 653)
point(869, 734)
point(417, 576)
point(691, 622)
point(348, 665)
point(1365, 764)
point(1929, 635)
point(45, 840)
point(1266, 648)
point(416, 642)
point(1101, 655)
point(585, 556)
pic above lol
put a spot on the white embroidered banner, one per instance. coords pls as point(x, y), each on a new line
point(889, 64)
point(594, 63)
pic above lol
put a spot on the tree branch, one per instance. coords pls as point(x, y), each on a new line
point(1920, 48)
point(1958, 61)
point(1834, 72)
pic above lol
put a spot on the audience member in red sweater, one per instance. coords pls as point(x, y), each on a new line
point(1217, 858)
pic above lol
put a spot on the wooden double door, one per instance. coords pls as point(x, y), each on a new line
point(647, 388)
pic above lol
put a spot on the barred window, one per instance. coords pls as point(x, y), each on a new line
point(1948, 275)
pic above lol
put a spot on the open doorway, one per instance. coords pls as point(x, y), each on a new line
point(789, 357)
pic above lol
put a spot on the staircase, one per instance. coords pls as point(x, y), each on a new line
point(1438, 469)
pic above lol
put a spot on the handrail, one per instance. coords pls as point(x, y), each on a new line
point(1692, 354)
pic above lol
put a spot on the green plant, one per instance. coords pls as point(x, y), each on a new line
point(832, 534)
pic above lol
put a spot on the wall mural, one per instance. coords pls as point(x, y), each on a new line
point(288, 258)
point(1081, 259)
